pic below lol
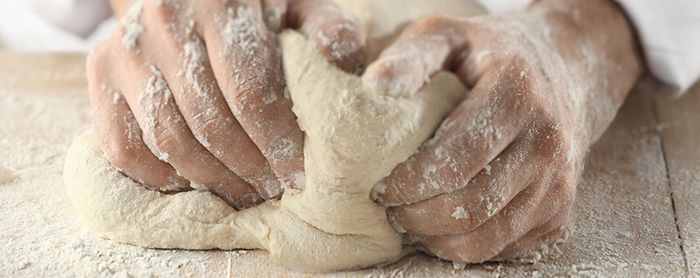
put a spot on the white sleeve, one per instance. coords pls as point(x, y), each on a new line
point(668, 31)
point(53, 25)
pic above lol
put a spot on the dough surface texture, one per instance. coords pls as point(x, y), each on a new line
point(355, 136)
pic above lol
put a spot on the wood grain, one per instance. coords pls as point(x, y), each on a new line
point(679, 124)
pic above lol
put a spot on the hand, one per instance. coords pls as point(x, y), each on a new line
point(499, 177)
point(191, 93)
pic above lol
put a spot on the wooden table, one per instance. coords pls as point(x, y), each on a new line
point(637, 210)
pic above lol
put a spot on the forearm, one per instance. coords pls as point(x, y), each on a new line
point(596, 38)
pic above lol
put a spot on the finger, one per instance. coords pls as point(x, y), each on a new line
point(250, 76)
point(119, 134)
point(335, 32)
point(274, 13)
point(536, 238)
point(186, 69)
point(428, 46)
point(466, 209)
point(167, 135)
point(479, 129)
point(520, 216)
point(169, 138)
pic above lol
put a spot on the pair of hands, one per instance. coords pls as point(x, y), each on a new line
point(497, 179)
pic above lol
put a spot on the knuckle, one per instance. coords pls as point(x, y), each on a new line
point(208, 124)
point(522, 76)
point(382, 70)
point(553, 141)
point(513, 87)
point(565, 193)
point(159, 10)
point(486, 210)
point(249, 86)
point(548, 143)
point(162, 17)
point(432, 23)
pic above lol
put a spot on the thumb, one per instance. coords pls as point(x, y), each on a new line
point(428, 46)
point(335, 32)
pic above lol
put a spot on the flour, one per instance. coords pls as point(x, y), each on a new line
point(131, 27)
point(152, 100)
point(247, 46)
point(460, 213)
point(241, 30)
point(195, 56)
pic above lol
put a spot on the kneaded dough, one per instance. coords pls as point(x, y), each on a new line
point(355, 136)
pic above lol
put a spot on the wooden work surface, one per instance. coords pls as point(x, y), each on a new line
point(636, 214)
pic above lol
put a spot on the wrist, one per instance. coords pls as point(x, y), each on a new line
point(596, 38)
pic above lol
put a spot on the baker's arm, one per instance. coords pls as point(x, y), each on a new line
point(668, 31)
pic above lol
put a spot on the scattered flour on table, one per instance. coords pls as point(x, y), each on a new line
point(38, 232)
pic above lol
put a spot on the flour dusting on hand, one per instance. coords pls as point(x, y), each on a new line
point(131, 27)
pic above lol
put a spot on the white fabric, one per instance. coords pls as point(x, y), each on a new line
point(54, 25)
point(669, 32)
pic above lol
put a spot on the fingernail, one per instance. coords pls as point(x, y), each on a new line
point(248, 201)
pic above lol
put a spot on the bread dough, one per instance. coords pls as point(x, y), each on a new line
point(355, 136)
